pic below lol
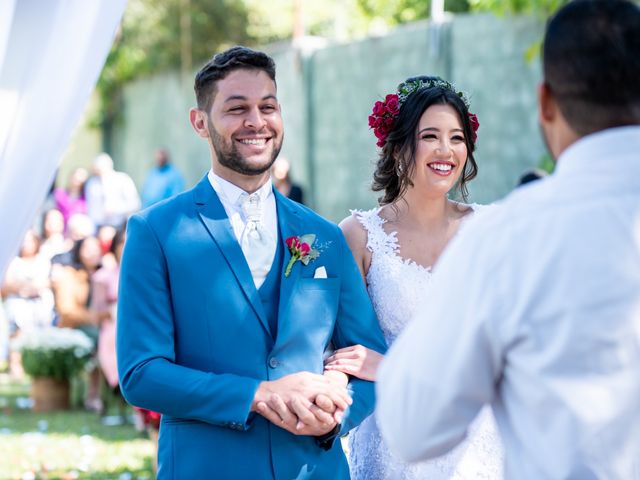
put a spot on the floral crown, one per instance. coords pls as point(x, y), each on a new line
point(384, 113)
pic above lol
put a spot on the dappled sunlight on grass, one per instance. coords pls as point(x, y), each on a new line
point(79, 456)
point(72, 444)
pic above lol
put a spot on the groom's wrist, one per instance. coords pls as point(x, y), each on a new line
point(325, 441)
point(262, 394)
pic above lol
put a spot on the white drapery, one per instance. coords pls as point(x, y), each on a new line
point(51, 53)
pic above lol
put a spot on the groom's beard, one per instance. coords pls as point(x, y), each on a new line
point(229, 156)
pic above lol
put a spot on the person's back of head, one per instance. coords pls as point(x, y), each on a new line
point(591, 60)
point(80, 226)
point(223, 63)
point(102, 164)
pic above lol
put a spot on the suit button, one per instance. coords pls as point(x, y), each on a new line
point(273, 362)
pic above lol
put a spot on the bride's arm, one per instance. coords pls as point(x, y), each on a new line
point(356, 237)
point(358, 361)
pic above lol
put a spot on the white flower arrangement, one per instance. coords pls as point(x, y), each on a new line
point(53, 352)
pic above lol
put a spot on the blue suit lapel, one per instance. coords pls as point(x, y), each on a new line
point(290, 225)
point(215, 220)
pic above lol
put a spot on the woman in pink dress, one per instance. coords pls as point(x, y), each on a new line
point(71, 200)
point(105, 299)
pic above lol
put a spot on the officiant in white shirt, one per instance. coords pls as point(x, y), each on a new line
point(536, 307)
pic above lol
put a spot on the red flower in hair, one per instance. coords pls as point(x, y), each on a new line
point(382, 117)
point(379, 109)
point(393, 106)
point(475, 124)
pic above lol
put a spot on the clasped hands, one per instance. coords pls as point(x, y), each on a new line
point(303, 403)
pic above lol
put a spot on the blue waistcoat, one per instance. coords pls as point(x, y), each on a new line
point(270, 290)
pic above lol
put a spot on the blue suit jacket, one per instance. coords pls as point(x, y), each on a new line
point(193, 342)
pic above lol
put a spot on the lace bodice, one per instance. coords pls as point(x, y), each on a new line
point(396, 286)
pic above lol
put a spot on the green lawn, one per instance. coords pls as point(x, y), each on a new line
point(65, 445)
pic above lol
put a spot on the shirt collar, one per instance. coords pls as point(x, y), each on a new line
point(232, 193)
point(600, 149)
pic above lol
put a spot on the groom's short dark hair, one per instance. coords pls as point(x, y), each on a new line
point(591, 58)
point(222, 64)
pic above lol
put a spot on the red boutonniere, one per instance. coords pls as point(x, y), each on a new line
point(301, 248)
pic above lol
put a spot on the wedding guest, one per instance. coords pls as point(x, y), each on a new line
point(105, 236)
point(80, 226)
point(534, 309)
point(54, 241)
point(71, 200)
point(104, 298)
point(28, 300)
point(163, 181)
point(111, 195)
point(26, 292)
point(281, 180)
point(71, 281)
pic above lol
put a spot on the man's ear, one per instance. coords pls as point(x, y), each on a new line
point(199, 120)
point(547, 106)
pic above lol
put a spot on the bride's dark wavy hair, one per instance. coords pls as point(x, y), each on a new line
point(396, 162)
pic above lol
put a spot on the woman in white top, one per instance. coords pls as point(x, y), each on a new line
point(427, 137)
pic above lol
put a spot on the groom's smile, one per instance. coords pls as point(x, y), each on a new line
point(255, 145)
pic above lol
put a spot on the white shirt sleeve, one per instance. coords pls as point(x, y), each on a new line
point(130, 197)
point(95, 201)
point(444, 366)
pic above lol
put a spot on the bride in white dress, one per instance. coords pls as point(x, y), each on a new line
point(427, 137)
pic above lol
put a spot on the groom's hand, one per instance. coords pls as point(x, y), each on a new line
point(300, 417)
point(305, 386)
point(290, 403)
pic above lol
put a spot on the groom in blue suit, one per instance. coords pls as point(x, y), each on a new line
point(229, 296)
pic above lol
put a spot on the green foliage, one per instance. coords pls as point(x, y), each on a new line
point(61, 363)
point(394, 11)
point(531, 7)
point(402, 11)
point(158, 36)
point(54, 352)
point(162, 35)
point(546, 163)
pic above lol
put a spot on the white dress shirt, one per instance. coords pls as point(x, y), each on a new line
point(231, 197)
point(535, 310)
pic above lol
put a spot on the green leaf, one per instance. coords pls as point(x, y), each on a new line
point(309, 238)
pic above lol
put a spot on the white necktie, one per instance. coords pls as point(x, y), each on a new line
point(256, 242)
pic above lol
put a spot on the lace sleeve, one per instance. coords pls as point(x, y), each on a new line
point(377, 239)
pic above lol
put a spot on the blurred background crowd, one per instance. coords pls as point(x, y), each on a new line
point(66, 271)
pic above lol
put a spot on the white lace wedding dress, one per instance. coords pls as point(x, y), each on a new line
point(395, 285)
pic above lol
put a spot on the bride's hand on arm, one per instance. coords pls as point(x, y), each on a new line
point(357, 360)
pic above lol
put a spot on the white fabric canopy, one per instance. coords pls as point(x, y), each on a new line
point(51, 53)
